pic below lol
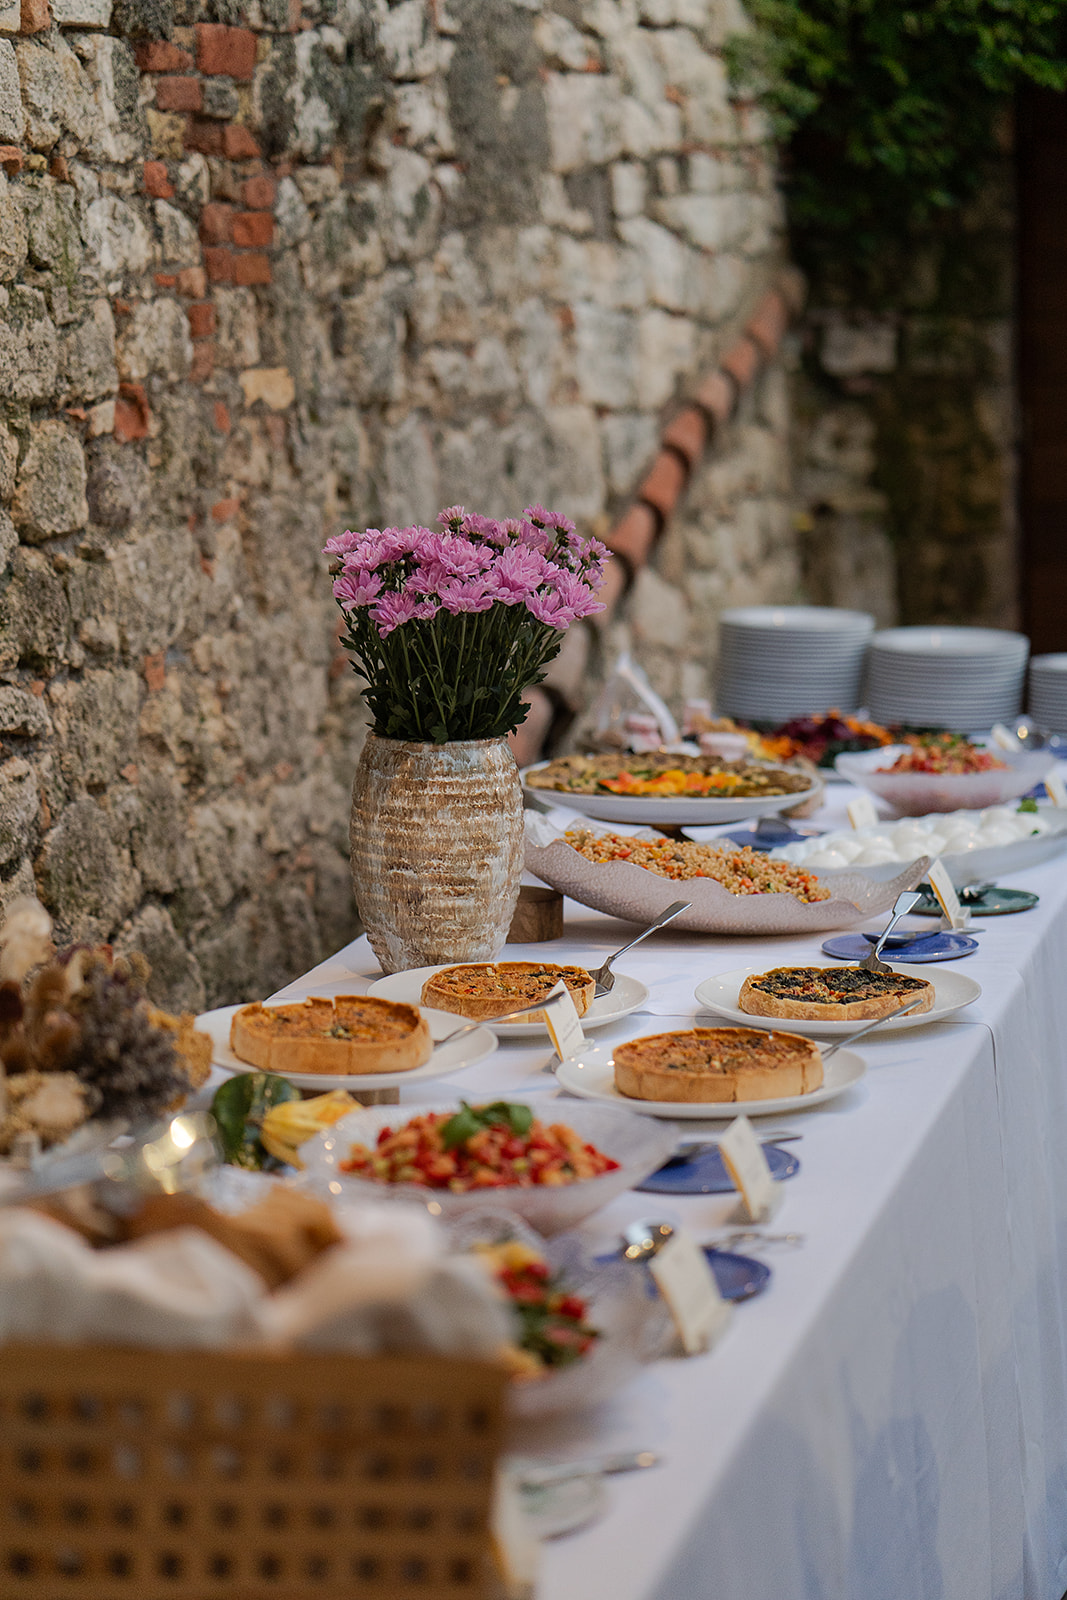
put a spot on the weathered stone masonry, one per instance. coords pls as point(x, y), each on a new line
point(275, 268)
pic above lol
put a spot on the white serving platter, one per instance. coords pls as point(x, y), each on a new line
point(591, 1076)
point(664, 808)
point(627, 995)
point(952, 991)
point(446, 1058)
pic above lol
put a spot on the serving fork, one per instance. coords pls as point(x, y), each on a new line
point(901, 906)
point(604, 978)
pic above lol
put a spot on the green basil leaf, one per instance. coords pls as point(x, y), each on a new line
point(461, 1127)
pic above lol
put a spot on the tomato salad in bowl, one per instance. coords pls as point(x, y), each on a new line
point(552, 1161)
point(479, 1147)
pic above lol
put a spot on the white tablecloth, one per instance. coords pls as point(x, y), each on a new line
point(888, 1421)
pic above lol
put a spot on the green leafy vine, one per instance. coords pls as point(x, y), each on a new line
point(891, 111)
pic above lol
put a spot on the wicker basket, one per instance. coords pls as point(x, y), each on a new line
point(145, 1475)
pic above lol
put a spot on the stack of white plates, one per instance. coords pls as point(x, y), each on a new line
point(777, 662)
point(1048, 692)
point(963, 679)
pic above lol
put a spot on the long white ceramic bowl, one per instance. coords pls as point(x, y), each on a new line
point(638, 1146)
point(622, 889)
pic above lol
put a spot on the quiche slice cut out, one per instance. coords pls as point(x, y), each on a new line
point(717, 1065)
point(832, 994)
point(484, 990)
point(352, 1033)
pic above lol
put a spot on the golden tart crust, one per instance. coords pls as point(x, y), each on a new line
point(352, 1033)
point(488, 989)
point(717, 1065)
point(831, 994)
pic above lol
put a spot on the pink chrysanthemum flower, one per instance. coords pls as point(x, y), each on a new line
point(460, 595)
point(358, 588)
point(393, 609)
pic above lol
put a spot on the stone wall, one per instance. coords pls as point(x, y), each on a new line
point(273, 267)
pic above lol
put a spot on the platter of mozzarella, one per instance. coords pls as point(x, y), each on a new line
point(974, 845)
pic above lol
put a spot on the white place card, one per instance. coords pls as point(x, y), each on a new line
point(681, 1273)
point(564, 1028)
point(948, 899)
point(1057, 789)
point(745, 1161)
point(862, 812)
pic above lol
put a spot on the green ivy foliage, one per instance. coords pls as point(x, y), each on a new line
point(890, 110)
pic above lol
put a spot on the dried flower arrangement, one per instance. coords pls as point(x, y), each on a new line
point(78, 1039)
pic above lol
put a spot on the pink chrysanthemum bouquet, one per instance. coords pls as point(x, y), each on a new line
point(449, 628)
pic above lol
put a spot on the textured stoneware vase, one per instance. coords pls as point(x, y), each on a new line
point(437, 849)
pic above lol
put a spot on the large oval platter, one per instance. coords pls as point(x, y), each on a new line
point(673, 809)
point(623, 890)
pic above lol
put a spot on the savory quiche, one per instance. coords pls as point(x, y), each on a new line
point(490, 989)
point(717, 1064)
point(351, 1033)
point(831, 994)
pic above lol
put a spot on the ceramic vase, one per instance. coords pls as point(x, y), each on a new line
point(437, 849)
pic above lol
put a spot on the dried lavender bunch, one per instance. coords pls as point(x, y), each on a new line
point(133, 1065)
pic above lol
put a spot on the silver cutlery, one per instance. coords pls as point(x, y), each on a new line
point(901, 906)
point(869, 1028)
point(641, 1240)
point(487, 1022)
point(533, 1475)
point(755, 1237)
point(604, 977)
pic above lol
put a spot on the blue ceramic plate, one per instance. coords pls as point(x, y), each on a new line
point(927, 947)
point(706, 1173)
point(738, 1277)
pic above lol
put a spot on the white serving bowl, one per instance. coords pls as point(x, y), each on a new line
point(639, 1147)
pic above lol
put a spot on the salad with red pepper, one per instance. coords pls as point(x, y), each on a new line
point(496, 1146)
point(553, 1330)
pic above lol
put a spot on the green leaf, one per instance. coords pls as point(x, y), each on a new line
point(239, 1107)
point(461, 1127)
point(470, 1120)
point(1027, 805)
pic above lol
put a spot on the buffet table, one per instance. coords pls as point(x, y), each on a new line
point(888, 1420)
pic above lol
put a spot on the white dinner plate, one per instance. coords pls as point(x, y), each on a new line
point(665, 808)
point(626, 996)
point(952, 990)
point(591, 1075)
point(445, 1059)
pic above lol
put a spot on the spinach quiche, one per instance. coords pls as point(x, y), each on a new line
point(831, 994)
point(487, 989)
point(717, 1065)
point(352, 1033)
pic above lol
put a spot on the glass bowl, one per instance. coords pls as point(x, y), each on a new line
point(638, 1144)
point(916, 794)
